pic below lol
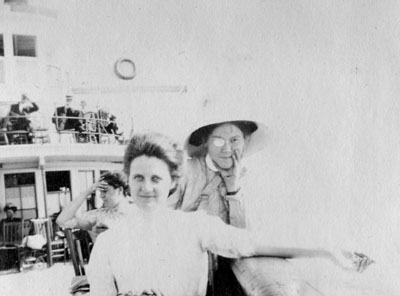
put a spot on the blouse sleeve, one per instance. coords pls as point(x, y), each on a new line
point(87, 219)
point(224, 239)
point(99, 273)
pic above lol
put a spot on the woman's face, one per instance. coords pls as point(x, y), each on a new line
point(150, 182)
point(222, 143)
point(10, 214)
point(111, 196)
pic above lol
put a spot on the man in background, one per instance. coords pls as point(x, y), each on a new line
point(19, 114)
point(66, 117)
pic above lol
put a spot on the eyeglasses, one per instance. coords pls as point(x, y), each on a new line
point(220, 142)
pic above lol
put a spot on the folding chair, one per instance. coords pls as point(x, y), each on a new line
point(12, 240)
point(56, 246)
point(90, 127)
point(26, 228)
point(3, 137)
point(79, 283)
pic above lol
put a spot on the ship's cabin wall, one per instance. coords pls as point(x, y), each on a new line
point(27, 187)
point(31, 53)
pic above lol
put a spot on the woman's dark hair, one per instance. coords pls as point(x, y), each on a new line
point(200, 136)
point(10, 207)
point(116, 180)
point(156, 145)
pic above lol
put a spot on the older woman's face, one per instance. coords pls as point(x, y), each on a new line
point(222, 143)
point(150, 182)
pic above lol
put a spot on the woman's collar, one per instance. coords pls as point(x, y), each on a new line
point(210, 164)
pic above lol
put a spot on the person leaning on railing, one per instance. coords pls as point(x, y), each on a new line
point(66, 117)
point(19, 116)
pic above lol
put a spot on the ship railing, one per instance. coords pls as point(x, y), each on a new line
point(37, 129)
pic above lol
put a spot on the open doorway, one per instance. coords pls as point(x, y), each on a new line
point(58, 184)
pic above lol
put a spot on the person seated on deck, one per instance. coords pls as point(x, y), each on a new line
point(19, 116)
point(160, 251)
point(66, 117)
point(10, 209)
point(113, 188)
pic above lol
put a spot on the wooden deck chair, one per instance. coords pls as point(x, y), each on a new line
point(17, 137)
point(90, 124)
point(79, 284)
point(12, 233)
point(4, 137)
point(58, 244)
point(58, 249)
point(27, 228)
point(12, 240)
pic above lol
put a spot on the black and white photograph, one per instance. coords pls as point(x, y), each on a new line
point(199, 148)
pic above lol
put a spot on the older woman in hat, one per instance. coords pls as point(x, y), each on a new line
point(214, 183)
point(215, 174)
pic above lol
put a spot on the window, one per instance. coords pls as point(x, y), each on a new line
point(58, 184)
point(21, 191)
point(24, 46)
point(1, 46)
point(57, 180)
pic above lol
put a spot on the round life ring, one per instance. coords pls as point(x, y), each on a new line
point(125, 68)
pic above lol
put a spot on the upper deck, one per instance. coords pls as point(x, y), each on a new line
point(38, 140)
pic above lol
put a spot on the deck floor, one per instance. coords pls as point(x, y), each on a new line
point(377, 281)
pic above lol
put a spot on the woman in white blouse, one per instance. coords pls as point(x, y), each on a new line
point(159, 251)
point(112, 187)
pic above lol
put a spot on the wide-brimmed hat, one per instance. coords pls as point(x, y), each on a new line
point(254, 130)
point(10, 206)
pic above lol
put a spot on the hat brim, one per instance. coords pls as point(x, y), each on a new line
point(10, 207)
point(255, 131)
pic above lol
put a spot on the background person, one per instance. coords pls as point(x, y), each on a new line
point(10, 209)
point(112, 187)
point(20, 111)
point(159, 251)
point(65, 117)
point(19, 116)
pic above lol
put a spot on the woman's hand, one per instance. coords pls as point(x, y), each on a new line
point(351, 261)
point(99, 185)
point(231, 176)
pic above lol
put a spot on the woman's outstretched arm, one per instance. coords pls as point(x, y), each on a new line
point(345, 259)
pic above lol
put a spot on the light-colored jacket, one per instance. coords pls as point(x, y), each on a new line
point(202, 188)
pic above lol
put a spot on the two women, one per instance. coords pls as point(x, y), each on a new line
point(159, 251)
